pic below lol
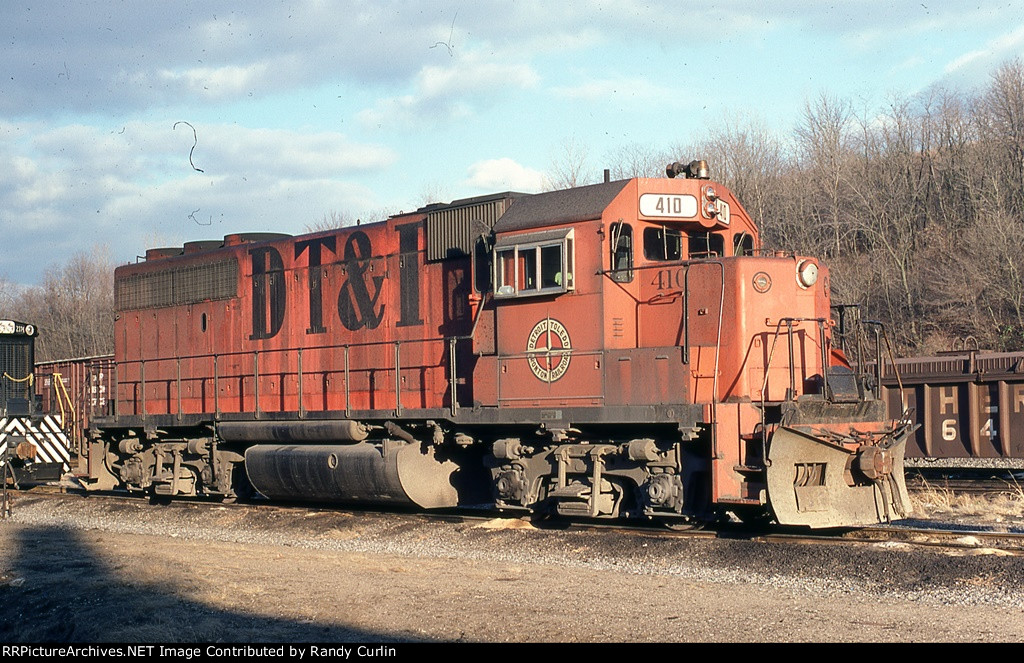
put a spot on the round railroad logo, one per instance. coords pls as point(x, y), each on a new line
point(549, 350)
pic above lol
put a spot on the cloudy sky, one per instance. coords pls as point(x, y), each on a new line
point(302, 108)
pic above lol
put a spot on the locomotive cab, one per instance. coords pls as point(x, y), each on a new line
point(17, 360)
point(684, 370)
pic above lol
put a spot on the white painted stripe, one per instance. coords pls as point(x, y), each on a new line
point(49, 439)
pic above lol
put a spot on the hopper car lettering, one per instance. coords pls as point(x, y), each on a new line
point(966, 404)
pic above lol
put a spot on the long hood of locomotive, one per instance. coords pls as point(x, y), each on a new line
point(365, 319)
point(311, 323)
point(303, 291)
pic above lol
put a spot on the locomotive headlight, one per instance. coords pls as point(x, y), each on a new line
point(710, 209)
point(710, 193)
point(806, 273)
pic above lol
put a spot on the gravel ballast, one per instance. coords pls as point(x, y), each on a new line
point(90, 569)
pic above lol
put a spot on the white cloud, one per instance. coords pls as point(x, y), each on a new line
point(86, 56)
point(161, 149)
point(217, 82)
point(503, 174)
point(450, 92)
point(77, 185)
point(602, 90)
point(1001, 48)
point(472, 74)
point(292, 153)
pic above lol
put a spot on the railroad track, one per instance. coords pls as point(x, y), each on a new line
point(969, 486)
point(970, 483)
point(955, 539)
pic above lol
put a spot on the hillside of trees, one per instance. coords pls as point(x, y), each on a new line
point(918, 209)
point(73, 308)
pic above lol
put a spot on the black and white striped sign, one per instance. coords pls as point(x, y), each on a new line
point(46, 434)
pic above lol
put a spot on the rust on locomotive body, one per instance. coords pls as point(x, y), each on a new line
point(620, 349)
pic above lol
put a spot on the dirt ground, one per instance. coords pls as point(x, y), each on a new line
point(78, 569)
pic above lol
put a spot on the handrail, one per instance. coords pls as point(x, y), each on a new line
point(892, 358)
point(28, 378)
point(791, 392)
point(63, 396)
point(243, 353)
point(146, 368)
point(219, 357)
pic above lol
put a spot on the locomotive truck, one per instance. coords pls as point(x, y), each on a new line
point(624, 349)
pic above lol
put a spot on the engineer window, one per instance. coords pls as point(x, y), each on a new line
point(706, 245)
point(663, 244)
point(534, 264)
point(551, 266)
point(526, 276)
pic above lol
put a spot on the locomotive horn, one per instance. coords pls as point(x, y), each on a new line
point(675, 169)
point(697, 169)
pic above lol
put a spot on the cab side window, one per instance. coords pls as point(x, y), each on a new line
point(534, 264)
point(621, 252)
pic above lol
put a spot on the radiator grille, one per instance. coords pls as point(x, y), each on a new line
point(176, 287)
point(15, 367)
point(452, 231)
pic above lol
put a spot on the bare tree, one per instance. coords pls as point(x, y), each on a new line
point(1003, 118)
point(8, 296)
point(570, 166)
point(73, 308)
point(330, 221)
point(78, 306)
point(637, 160)
point(823, 144)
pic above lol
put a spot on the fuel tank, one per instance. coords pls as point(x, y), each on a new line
point(389, 473)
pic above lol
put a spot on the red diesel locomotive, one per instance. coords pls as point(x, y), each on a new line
point(624, 349)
